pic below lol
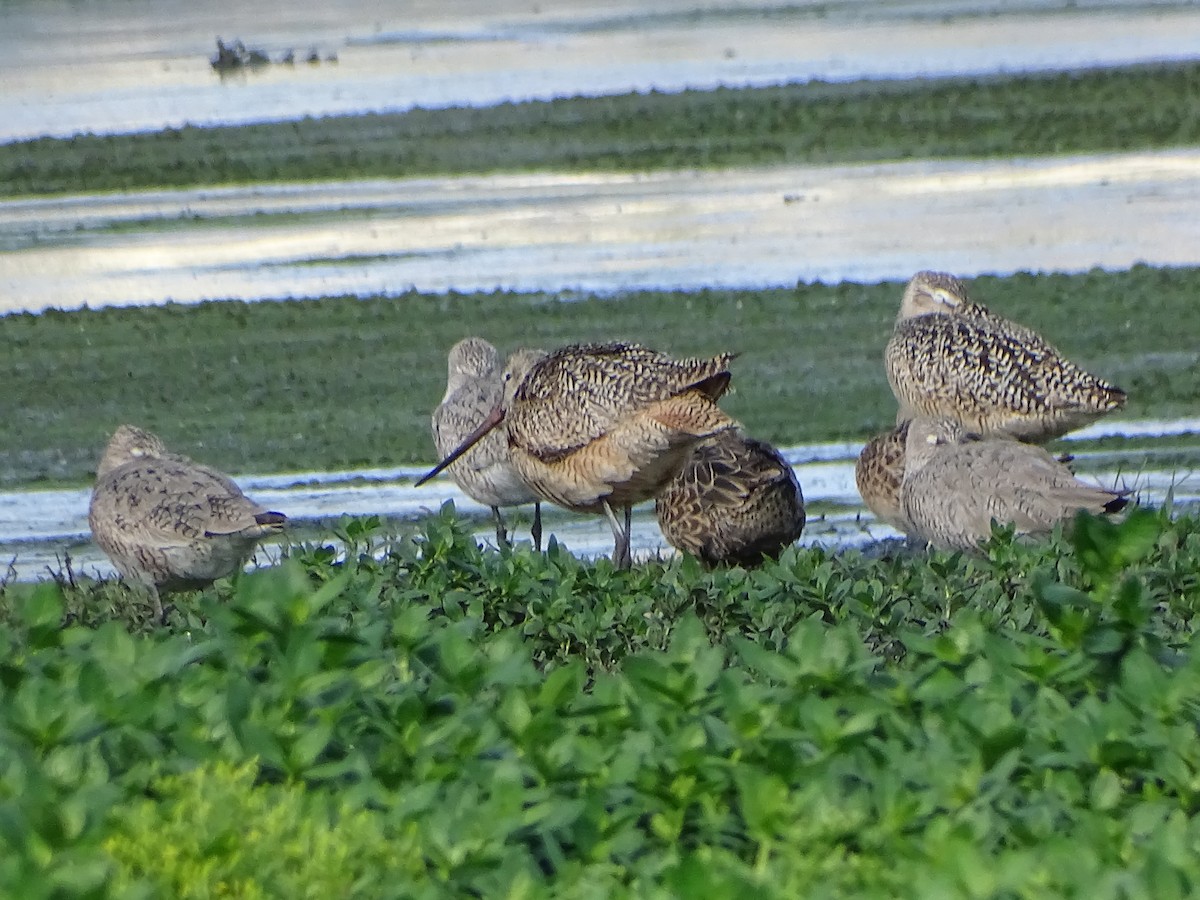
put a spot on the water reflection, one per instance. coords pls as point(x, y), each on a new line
point(602, 232)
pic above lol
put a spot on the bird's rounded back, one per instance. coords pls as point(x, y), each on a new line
point(581, 392)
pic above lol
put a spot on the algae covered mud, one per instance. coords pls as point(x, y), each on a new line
point(347, 384)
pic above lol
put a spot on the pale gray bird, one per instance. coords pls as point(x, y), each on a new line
point(950, 357)
point(736, 501)
point(955, 484)
point(485, 473)
point(167, 522)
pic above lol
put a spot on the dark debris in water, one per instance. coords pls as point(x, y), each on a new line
point(237, 57)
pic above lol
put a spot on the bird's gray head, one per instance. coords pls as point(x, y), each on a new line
point(515, 372)
point(936, 293)
point(127, 444)
point(472, 357)
point(927, 437)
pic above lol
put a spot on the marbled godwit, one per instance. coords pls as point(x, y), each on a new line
point(955, 485)
point(596, 427)
point(879, 473)
point(170, 523)
point(736, 501)
point(485, 473)
point(950, 357)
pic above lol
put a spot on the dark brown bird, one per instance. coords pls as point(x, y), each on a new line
point(167, 522)
point(950, 357)
point(879, 473)
point(485, 473)
point(736, 501)
point(955, 484)
point(600, 427)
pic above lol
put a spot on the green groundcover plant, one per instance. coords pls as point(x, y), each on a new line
point(420, 716)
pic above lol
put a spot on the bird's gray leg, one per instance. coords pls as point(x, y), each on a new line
point(620, 556)
point(501, 531)
point(536, 531)
point(159, 612)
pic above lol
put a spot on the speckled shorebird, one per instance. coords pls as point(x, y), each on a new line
point(600, 427)
point(950, 357)
point(879, 472)
point(167, 522)
point(485, 473)
point(955, 484)
point(736, 501)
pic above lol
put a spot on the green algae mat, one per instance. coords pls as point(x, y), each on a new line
point(1132, 108)
point(344, 383)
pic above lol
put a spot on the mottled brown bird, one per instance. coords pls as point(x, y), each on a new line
point(950, 357)
point(167, 522)
point(486, 472)
point(736, 501)
point(599, 427)
point(879, 473)
point(955, 484)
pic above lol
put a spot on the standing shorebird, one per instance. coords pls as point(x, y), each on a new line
point(950, 357)
point(485, 473)
point(736, 501)
point(955, 485)
point(167, 522)
point(596, 427)
point(879, 473)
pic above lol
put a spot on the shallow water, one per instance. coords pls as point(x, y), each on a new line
point(603, 232)
point(38, 529)
point(136, 65)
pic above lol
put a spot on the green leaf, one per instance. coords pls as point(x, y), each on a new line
point(762, 797)
point(561, 686)
point(1106, 790)
point(773, 665)
point(312, 741)
point(42, 610)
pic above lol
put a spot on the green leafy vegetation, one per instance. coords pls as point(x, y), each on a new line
point(211, 827)
point(426, 718)
point(343, 383)
point(1130, 108)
